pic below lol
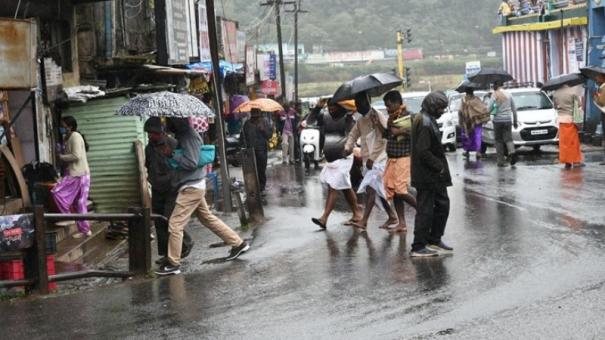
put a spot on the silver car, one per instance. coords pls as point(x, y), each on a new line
point(537, 120)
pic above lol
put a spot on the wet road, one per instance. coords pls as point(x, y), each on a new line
point(529, 253)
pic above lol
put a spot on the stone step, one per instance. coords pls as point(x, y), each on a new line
point(72, 250)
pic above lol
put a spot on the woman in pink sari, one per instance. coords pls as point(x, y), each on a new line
point(71, 193)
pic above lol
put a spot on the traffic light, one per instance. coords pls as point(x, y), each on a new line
point(408, 35)
point(408, 76)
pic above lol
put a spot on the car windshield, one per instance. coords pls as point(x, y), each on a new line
point(414, 104)
point(525, 101)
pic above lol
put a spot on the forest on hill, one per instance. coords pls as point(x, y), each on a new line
point(438, 27)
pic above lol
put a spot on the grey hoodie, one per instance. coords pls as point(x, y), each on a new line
point(188, 172)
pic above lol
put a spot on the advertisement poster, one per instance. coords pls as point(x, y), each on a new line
point(203, 30)
point(241, 47)
point(229, 40)
point(250, 65)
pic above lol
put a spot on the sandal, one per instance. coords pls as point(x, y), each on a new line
point(318, 222)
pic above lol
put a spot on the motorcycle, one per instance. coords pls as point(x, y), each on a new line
point(233, 150)
point(310, 146)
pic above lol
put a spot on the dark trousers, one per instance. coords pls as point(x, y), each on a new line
point(261, 167)
point(163, 203)
point(431, 216)
point(503, 135)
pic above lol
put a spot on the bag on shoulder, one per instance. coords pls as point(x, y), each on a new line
point(207, 156)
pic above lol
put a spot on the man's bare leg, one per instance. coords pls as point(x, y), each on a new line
point(330, 202)
point(352, 200)
point(392, 217)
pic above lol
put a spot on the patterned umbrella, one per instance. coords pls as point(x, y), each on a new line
point(165, 104)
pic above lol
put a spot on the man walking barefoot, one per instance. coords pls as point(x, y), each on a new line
point(397, 172)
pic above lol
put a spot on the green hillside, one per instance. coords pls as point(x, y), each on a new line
point(439, 27)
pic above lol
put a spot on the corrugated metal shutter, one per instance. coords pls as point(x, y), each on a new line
point(112, 160)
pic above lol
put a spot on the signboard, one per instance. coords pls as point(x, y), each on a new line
point(241, 47)
point(16, 232)
point(203, 32)
point(192, 23)
point(572, 59)
point(53, 77)
point(229, 39)
point(270, 87)
point(177, 31)
point(18, 54)
point(579, 50)
point(472, 68)
point(250, 65)
point(272, 66)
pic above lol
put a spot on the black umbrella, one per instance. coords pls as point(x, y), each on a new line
point(571, 79)
point(592, 72)
point(375, 84)
point(464, 85)
point(489, 76)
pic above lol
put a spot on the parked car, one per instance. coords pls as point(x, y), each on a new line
point(413, 101)
point(537, 120)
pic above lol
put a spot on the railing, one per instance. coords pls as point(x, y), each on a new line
point(139, 249)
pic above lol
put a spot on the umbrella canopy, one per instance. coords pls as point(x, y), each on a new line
point(375, 84)
point(263, 104)
point(165, 104)
point(464, 85)
point(489, 76)
point(592, 72)
point(571, 79)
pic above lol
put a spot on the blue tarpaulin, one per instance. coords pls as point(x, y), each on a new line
point(225, 66)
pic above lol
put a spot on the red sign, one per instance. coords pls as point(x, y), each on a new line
point(270, 87)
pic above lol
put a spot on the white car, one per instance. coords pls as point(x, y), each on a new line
point(537, 120)
point(447, 126)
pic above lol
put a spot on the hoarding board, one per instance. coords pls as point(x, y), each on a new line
point(18, 54)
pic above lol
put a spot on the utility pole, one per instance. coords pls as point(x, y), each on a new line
point(404, 72)
point(218, 105)
point(400, 60)
point(296, 10)
point(282, 72)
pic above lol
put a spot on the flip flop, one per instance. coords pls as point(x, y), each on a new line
point(318, 222)
point(351, 222)
point(359, 226)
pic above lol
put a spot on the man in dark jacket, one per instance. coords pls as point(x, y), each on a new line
point(430, 177)
point(159, 175)
point(189, 181)
point(255, 134)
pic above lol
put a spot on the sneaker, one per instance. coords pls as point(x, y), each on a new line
point(424, 252)
point(187, 250)
point(168, 269)
point(441, 248)
point(237, 251)
point(514, 158)
point(162, 261)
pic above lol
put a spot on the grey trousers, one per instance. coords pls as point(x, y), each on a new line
point(503, 132)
